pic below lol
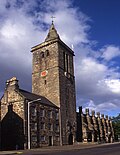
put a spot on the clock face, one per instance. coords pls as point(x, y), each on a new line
point(44, 73)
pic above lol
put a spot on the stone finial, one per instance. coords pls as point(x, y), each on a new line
point(80, 109)
point(93, 112)
point(12, 82)
point(106, 117)
point(102, 115)
point(87, 111)
point(98, 114)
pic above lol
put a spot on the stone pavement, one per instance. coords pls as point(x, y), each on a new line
point(58, 148)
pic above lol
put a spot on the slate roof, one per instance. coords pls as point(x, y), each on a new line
point(52, 34)
point(31, 96)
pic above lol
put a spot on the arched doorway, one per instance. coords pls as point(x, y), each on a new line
point(70, 139)
point(50, 140)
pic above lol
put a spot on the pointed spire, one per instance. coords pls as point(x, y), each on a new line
point(52, 34)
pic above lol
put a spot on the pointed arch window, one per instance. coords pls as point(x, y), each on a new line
point(64, 61)
point(67, 64)
point(42, 54)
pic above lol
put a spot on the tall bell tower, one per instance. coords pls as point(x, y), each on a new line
point(53, 77)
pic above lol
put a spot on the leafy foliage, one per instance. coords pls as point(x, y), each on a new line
point(116, 126)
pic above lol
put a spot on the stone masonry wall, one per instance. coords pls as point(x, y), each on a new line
point(48, 85)
point(11, 96)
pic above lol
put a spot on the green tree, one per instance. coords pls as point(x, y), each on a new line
point(116, 126)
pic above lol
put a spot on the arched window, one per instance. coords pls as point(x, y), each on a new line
point(64, 61)
point(47, 53)
point(42, 54)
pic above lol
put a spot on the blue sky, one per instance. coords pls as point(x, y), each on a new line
point(90, 26)
point(105, 16)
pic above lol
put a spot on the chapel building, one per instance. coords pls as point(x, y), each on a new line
point(47, 116)
point(52, 103)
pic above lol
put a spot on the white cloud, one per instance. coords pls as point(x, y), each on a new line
point(25, 24)
point(104, 108)
point(110, 52)
point(97, 84)
point(70, 23)
point(89, 73)
point(19, 28)
point(114, 85)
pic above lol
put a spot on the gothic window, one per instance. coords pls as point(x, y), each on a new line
point(34, 126)
point(57, 127)
point(34, 138)
point(70, 63)
point(47, 53)
point(42, 54)
point(49, 114)
point(33, 111)
point(42, 125)
point(42, 112)
point(64, 61)
point(42, 138)
point(67, 64)
point(57, 115)
point(50, 127)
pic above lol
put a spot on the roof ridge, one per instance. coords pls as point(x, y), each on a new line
point(32, 96)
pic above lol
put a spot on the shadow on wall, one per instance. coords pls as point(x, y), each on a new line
point(12, 131)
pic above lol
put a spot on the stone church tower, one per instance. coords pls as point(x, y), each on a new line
point(53, 77)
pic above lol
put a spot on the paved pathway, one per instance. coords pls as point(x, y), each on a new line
point(56, 148)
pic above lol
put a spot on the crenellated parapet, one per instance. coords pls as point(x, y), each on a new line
point(96, 127)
